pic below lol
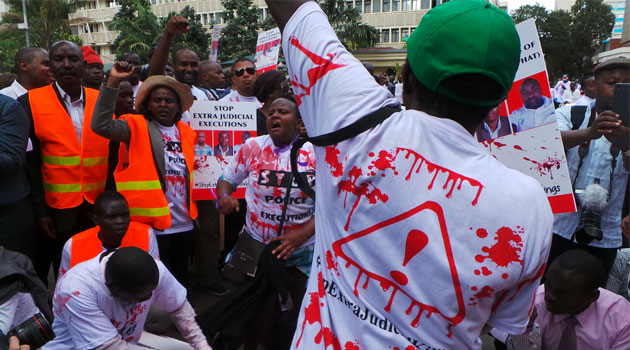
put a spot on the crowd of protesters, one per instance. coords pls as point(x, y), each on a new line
point(342, 240)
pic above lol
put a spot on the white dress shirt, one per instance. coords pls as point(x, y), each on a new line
point(75, 110)
point(14, 90)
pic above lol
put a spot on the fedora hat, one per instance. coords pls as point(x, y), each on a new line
point(182, 90)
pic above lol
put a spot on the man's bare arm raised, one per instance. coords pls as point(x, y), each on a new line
point(282, 10)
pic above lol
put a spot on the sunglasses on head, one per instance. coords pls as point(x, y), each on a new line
point(285, 86)
point(239, 72)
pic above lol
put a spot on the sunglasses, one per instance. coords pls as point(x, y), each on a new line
point(285, 86)
point(239, 72)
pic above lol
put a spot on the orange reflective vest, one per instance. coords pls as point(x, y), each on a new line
point(70, 171)
point(86, 245)
point(138, 180)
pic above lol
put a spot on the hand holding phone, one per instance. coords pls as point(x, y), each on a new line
point(621, 103)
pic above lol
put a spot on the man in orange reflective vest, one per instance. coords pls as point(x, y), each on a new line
point(114, 230)
point(68, 164)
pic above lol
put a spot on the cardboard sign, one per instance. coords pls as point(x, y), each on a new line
point(214, 48)
point(222, 128)
point(267, 50)
point(522, 132)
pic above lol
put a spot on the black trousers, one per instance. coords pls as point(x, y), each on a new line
point(560, 245)
point(206, 241)
point(67, 222)
point(175, 250)
point(17, 227)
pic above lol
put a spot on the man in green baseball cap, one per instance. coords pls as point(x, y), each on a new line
point(411, 249)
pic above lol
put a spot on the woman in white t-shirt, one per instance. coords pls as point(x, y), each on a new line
point(161, 101)
point(278, 212)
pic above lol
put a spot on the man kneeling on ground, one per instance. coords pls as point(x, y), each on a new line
point(114, 230)
point(103, 303)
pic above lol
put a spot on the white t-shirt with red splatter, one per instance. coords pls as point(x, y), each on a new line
point(86, 315)
point(234, 96)
point(268, 170)
point(422, 237)
point(175, 175)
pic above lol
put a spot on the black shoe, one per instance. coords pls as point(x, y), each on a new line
point(215, 288)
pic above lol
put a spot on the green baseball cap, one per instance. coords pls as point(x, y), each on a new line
point(463, 37)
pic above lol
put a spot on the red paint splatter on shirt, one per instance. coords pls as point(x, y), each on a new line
point(518, 147)
point(59, 303)
point(506, 249)
point(482, 233)
point(331, 263)
point(351, 346)
point(332, 159)
point(485, 292)
point(177, 183)
point(322, 67)
point(312, 315)
point(454, 178)
point(277, 192)
point(363, 189)
point(382, 163)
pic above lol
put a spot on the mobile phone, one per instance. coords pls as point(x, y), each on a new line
point(621, 102)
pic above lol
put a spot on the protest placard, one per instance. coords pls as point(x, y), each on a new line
point(522, 132)
point(222, 128)
point(214, 48)
point(267, 50)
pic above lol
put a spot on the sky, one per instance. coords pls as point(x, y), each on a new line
point(514, 4)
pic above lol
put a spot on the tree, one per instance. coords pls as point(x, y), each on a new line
point(537, 12)
point(593, 22)
point(197, 38)
point(569, 39)
point(346, 22)
point(47, 22)
point(557, 45)
point(138, 28)
point(238, 37)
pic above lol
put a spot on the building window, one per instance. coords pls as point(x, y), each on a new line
point(359, 4)
point(368, 6)
point(395, 5)
point(406, 6)
point(424, 4)
point(386, 7)
point(377, 5)
point(384, 35)
point(395, 35)
point(404, 33)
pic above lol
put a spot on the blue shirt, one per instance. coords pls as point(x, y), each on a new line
point(596, 166)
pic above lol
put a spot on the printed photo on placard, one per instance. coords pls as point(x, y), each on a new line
point(495, 124)
point(529, 102)
point(240, 137)
point(203, 146)
point(223, 143)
